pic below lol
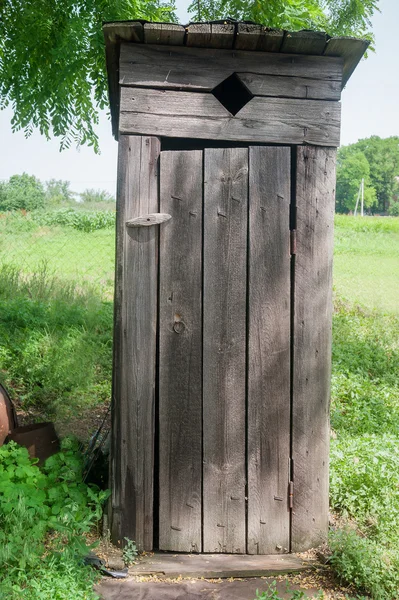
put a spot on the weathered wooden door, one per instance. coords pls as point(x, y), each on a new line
point(224, 350)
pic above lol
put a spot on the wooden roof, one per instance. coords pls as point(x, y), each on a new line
point(225, 35)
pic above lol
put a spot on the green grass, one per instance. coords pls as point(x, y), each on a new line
point(71, 255)
point(366, 261)
point(55, 342)
point(365, 405)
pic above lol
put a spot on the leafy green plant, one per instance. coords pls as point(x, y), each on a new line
point(86, 221)
point(271, 593)
point(394, 209)
point(365, 564)
point(22, 192)
point(44, 514)
point(129, 552)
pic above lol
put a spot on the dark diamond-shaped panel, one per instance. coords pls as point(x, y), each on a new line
point(232, 93)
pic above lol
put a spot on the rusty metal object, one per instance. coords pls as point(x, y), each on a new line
point(40, 439)
point(8, 418)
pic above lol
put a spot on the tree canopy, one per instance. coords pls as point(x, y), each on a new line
point(52, 62)
point(22, 192)
point(376, 160)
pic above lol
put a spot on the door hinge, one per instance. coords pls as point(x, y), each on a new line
point(290, 483)
point(291, 494)
point(293, 241)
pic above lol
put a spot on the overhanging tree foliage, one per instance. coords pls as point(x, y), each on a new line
point(52, 64)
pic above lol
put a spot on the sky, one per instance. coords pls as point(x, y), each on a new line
point(370, 106)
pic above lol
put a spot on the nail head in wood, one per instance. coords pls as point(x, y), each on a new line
point(148, 220)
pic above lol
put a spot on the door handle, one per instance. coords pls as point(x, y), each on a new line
point(148, 220)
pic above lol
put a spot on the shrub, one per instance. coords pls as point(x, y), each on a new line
point(365, 564)
point(86, 221)
point(22, 192)
point(394, 209)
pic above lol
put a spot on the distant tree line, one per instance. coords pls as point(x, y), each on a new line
point(376, 160)
point(26, 192)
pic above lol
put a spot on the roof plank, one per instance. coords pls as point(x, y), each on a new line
point(211, 35)
point(164, 33)
point(350, 49)
point(258, 37)
point(304, 42)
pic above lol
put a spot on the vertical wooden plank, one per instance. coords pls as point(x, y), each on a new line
point(269, 350)
point(312, 344)
point(224, 361)
point(135, 344)
point(180, 353)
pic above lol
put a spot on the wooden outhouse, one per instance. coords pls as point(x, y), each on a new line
point(227, 142)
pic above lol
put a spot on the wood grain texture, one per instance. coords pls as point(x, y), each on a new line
point(132, 454)
point(269, 350)
point(203, 69)
point(210, 35)
point(196, 115)
point(113, 33)
point(312, 344)
point(148, 220)
point(224, 361)
point(257, 37)
point(215, 566)
point(164, 33)
point(350, 50)
point(291, 87)
point(180, 353)
point(304, 42)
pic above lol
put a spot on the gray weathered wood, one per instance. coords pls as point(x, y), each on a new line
point(215, 566)
point(164, 33)
point(148, 220)
point(312, 344)
point(210, 35)
point(291, 87)
point(113, 33)
point(204, 68)
point(225, 239)
point(180, 354)
point(132, 455)
point(257, 37)
point(199, 35)
point(197, 115)
point(222, 35)
point(351, 51)
point(304, 42)
point(269, 350)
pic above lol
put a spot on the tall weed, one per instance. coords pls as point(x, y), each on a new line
point(55, 341)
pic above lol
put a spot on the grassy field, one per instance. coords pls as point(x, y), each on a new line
point(65, 252)
point(56, 345)
point(366, 261)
